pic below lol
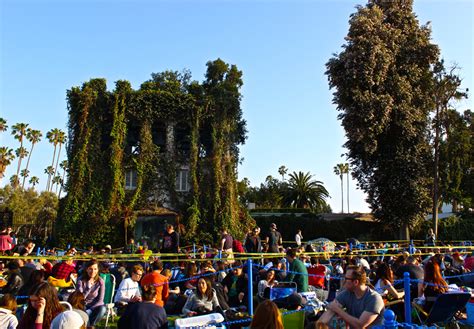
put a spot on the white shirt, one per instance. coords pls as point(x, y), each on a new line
point(127, 290)
point(298, 238)
point(7, 319)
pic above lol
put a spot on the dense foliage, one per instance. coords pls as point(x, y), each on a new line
point(169, 123)
point(382, 81)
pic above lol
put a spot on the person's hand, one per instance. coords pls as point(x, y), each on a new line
point(335, 306)
point(192, 313)
point(135, 299)
point(41, 305)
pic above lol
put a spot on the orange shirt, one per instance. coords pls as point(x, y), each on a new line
point(161, 284)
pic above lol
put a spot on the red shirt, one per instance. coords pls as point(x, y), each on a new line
point(317, 279)
point(161, 284)
point(62, 271)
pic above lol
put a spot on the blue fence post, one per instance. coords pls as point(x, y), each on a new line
point(411, 248)
point(250, 286)
point(194, 250)
point(38, 251)
point(219, 254)
point(406, 287)
point(389, 317)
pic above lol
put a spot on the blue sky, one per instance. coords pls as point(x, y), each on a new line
point(46, 47)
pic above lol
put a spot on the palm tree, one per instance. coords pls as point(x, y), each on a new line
point(282, 171)
point(34, 181)
point(52, 136)
point(303, 192)
point(339, 170)
point(21, 153)
point(24, 173)
point(50, 172)
point(19, 132)
point(61, 138)
point(64, 167)
point(34, 136)
point(6, 158)
point(14, 181)
point(3, 124)
point(57, 180)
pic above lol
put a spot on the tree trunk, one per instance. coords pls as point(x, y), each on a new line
point(434, 211)
point(348, 211)
point(342, 196)
point(404, 233)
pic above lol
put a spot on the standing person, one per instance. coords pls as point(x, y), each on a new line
point(43, 306)
point(170, 244)
point(253, 243)
point(298, 238)
point(93, 288)
point(430, 238)
point(131, 247)
point(160, 282)
point(273, 239)
point(6, 241)
point(226, 244)
point(298, 272)
point(145, 315)
point(358, 305)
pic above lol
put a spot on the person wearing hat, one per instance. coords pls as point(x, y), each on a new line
point(68, 320)
point(273, 239)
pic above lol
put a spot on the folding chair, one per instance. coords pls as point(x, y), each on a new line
point(444, 308)
point(109, 280)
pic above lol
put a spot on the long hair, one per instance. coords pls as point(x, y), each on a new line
point(384, 272)
point(267, 316)
point(433, 276)
point(52, 308)
point(8, 301)
point(209, 292)
point(77, 300)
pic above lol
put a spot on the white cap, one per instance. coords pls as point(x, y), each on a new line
point(67, 320)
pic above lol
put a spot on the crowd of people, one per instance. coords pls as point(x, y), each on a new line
point(149, 290)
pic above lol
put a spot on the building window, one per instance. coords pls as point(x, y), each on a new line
point(131, 179)
point(182, 180)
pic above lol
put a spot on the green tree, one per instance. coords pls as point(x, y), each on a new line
point(19, 131)
point(340, 169)
point(6, 158)
point(54, 137)
point(33, 136)
point(282, 171)
point(49, 170)
point(304, 192)
point(456, 159)
point(382, 81)
point(63, 165)
point(3, 125)
point(34, 181)
point(445, 90)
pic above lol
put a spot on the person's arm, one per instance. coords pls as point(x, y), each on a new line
point(421, 289)
point(166, 288)
point(40, 312)
point(177, 241)
point(222, 244)
point(188, 307)
point(123, 293)
point(394, 292)
point(364, 321)
point(99, 299)
point(215, 301)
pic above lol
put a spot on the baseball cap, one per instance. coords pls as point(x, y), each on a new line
point(108, 247)
point(67, 320)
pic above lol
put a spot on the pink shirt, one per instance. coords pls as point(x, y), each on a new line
point(6, 242)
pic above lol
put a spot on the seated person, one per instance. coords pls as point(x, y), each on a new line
point(268, 282)
point(384, 282)
point(433, 284)
point(8, 307)
point(203, 300)
point(235, 285)
point(63, 270)
point(144, 315)
point(129, 289)
point(93, 288)
point(358, 305)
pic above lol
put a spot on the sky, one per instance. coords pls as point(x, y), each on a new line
point(47, 47)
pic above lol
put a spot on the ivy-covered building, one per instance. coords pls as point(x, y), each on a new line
point(172, 145)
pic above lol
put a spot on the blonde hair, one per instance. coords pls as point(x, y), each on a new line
point(267, 316)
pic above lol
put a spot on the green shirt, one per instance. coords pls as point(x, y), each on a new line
point(301, 280)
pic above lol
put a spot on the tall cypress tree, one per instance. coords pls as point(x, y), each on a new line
point(382, 80)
